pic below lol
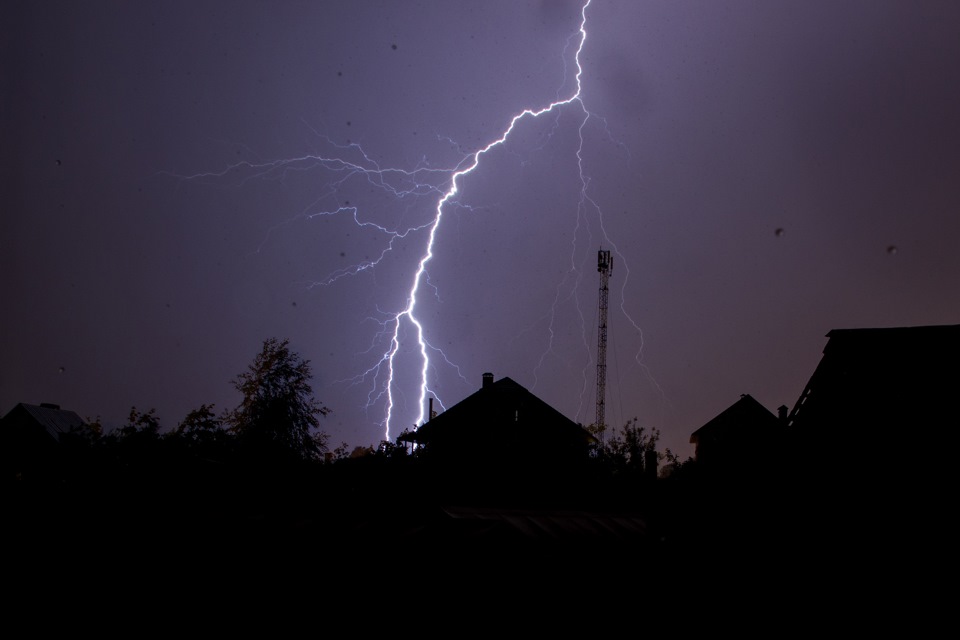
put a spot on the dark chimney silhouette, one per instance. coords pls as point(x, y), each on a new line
point(487, 380)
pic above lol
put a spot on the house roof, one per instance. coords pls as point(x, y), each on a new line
point(54, 420)
point(497, 411)
point(882, 376)
point(746, 417)
point(919, 335)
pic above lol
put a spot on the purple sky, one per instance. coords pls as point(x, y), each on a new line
point(166, 208)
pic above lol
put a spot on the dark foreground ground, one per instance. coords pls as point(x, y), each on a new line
point(394, 548)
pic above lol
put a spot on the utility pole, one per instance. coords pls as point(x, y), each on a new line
point(605, 267)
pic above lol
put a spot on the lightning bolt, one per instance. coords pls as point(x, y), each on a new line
point(350, 162)
point(467, 167)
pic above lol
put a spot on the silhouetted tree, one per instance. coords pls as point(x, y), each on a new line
point(140, 425)
point(279, 415)
point(632, 451)
point(138, 440)
point(83, 436)
point(203, 432)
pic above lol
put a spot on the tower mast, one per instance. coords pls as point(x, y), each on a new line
point(605, 267)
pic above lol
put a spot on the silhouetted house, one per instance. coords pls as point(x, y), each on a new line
point(744, 434)
point(502, 428)
point(872, 434)
point(878, 395)
point(31, 435)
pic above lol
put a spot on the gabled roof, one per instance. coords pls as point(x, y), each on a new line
point(499, 410)
point(744, 418)
point(54, 420)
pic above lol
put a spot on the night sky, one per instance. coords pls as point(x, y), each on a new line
point(182, 180)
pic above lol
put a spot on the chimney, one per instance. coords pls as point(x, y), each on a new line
point(487, 380)
point(782, 412)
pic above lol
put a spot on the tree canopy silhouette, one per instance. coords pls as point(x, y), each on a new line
point(279, 414)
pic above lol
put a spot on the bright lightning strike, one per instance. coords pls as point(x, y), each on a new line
point(403, 328)
point(471, 163)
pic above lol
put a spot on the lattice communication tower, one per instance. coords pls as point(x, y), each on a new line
point(605, 267)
